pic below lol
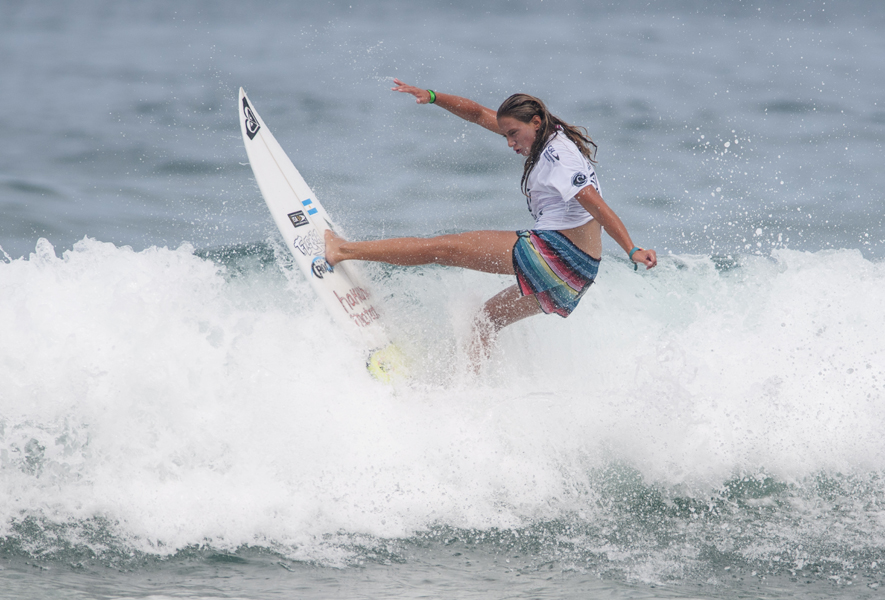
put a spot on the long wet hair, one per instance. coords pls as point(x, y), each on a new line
point(523, 107)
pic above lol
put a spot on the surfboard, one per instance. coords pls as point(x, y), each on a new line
point(302, 221)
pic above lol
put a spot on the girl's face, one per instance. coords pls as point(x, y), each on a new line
point(520, 136)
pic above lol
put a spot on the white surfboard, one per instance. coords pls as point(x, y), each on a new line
point(302, 221)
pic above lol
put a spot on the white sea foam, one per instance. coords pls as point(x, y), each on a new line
point(186, 404)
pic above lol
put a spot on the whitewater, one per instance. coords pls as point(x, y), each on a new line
point(151, 404)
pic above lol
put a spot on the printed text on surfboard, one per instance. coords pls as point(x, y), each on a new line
point(354, 304)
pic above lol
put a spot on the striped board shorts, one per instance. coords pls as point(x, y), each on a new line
point(551, 267)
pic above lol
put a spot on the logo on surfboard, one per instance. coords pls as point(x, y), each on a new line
point(252, 125)
point(309, 244)
point(320, 267)
point(298, 219)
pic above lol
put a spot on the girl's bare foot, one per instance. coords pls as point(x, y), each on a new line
point(333, 250)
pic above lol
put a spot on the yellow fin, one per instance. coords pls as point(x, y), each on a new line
point(387, 364)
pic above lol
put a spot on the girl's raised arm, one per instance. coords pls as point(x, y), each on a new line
point(458, 106)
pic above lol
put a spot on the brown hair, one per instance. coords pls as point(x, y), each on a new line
point(523, 107)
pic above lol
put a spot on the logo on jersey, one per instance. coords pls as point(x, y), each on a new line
point(252, 125)
point(298, 219)
point(320, 267)
point(579, 179)
point(550, 154)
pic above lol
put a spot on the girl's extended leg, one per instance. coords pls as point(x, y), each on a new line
point(487, 251)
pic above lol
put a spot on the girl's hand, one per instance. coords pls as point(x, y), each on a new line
point(421, 96)
point(647, 257)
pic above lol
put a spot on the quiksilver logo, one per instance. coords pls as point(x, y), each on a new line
point(252, 125)
point(550, 154)
point(298, 219)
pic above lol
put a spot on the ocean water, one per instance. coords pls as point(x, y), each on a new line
point(179, 417)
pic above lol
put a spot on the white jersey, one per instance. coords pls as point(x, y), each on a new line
point(559, 174)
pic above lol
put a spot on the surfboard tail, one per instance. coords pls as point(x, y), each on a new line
point(387, 364)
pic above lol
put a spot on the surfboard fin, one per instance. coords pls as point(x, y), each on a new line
point(387, 364)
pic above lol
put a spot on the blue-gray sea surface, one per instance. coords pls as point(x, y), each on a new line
point(180, 418)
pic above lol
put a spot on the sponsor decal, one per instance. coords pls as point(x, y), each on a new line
point(310, 244)
point(320, 267)
point(364, 318)
point(252, 125)
point(579, 179)
point(550, 154)
point(308, 204)
point(298, 219)
point(355, 304)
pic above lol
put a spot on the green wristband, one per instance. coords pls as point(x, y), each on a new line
point(432, 96)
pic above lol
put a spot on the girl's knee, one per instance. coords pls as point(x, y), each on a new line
point(490, 319)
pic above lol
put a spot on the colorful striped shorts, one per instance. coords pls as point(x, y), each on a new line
point(553, 268)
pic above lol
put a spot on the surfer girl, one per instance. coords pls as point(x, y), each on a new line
point(554, 262)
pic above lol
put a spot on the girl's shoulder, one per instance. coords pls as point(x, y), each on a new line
point(560, 147)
